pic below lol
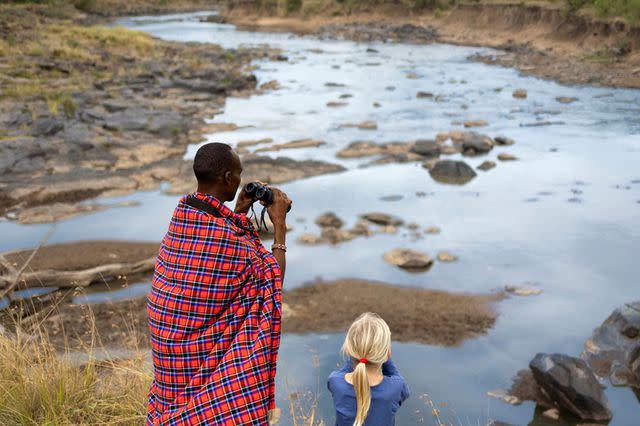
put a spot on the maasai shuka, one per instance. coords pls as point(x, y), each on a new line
point(214, 319)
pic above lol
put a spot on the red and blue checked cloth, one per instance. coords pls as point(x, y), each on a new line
point(214, 319)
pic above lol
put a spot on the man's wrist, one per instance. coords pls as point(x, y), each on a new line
point(242, 208)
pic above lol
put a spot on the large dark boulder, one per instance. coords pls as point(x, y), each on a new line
point(571, 384)
point(452, 172)
point(613, 350)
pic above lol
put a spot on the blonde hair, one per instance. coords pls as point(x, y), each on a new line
point(368, 337)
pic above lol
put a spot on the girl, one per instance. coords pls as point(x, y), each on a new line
point(368, 390)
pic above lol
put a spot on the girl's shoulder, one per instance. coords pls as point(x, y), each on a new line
point(336, 382)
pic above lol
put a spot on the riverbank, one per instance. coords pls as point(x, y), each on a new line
point(88, 111)
point(542, 39)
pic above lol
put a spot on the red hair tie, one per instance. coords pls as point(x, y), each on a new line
point(363, 360)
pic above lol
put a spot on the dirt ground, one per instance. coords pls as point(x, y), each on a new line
point(539, 40)
point(84, 255)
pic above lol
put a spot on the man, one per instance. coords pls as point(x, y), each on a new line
point(215, 303)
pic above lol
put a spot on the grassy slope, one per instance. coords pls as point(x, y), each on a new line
point(46, 54)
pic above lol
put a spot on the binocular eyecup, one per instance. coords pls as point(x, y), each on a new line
point(259, 192)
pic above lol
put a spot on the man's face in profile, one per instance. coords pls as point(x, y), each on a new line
point(235, 178)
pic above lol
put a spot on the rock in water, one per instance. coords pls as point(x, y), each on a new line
point(507, 157)
point(566, 99)
point(486, 165)
point(613, 350)
point(520, 93)
point(382, 219)
point(409, 259)
point(452, 172)
point(503, 140)
point(475, 123)
point(445, 256)
point(475, 144)
point(572, 385)
point(426, 148)
point(329, 220)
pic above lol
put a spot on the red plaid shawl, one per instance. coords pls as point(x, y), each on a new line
point(214, 319)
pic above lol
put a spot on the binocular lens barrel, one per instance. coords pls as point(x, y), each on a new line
point(251, 186)
point(260, 192)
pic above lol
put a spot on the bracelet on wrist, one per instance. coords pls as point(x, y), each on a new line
point(279, 246)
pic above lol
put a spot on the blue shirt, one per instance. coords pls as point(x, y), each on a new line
point(386, 396)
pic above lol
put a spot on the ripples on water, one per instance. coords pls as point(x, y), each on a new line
point(567, 215)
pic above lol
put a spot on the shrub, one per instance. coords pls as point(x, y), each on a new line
point(292, 5)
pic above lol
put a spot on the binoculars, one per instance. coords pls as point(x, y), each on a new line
point(260, 192)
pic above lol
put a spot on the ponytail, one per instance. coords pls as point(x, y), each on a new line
point(363, 393)
point(368, 341)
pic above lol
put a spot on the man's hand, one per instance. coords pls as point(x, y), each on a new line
point(278, 209)
point(244, 201)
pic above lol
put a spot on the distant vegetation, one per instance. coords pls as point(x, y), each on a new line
point(121, 7)
point(627, 9)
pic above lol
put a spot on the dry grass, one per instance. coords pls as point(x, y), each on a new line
point(39, 386)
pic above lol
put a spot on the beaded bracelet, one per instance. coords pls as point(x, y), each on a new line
point(279, 246)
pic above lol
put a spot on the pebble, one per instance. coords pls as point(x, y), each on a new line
point(475, 123)
point(566, 99)
point(523, 291)
point(507, 157)
point(445, 256)
point(486, 165)
point(519, 93)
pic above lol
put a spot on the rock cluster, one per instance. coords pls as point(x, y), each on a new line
point(613, 350)
point(429, 151)
point(367, 32)
point(123, 133)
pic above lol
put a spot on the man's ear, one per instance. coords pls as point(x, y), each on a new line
point(227, 176)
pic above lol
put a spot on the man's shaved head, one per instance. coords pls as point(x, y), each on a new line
point(217, 168)
point(212, 161)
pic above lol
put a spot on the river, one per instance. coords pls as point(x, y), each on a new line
point(566, 216)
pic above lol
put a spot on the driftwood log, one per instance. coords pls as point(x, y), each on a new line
point(68, 279)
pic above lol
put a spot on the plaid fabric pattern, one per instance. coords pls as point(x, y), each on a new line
point(214, 319)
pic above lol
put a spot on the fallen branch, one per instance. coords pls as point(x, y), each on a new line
point(83, 278)
point(14, 276)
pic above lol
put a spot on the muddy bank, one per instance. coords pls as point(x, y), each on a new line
point(414, 315)
point(88, 111)
point(543, 41)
